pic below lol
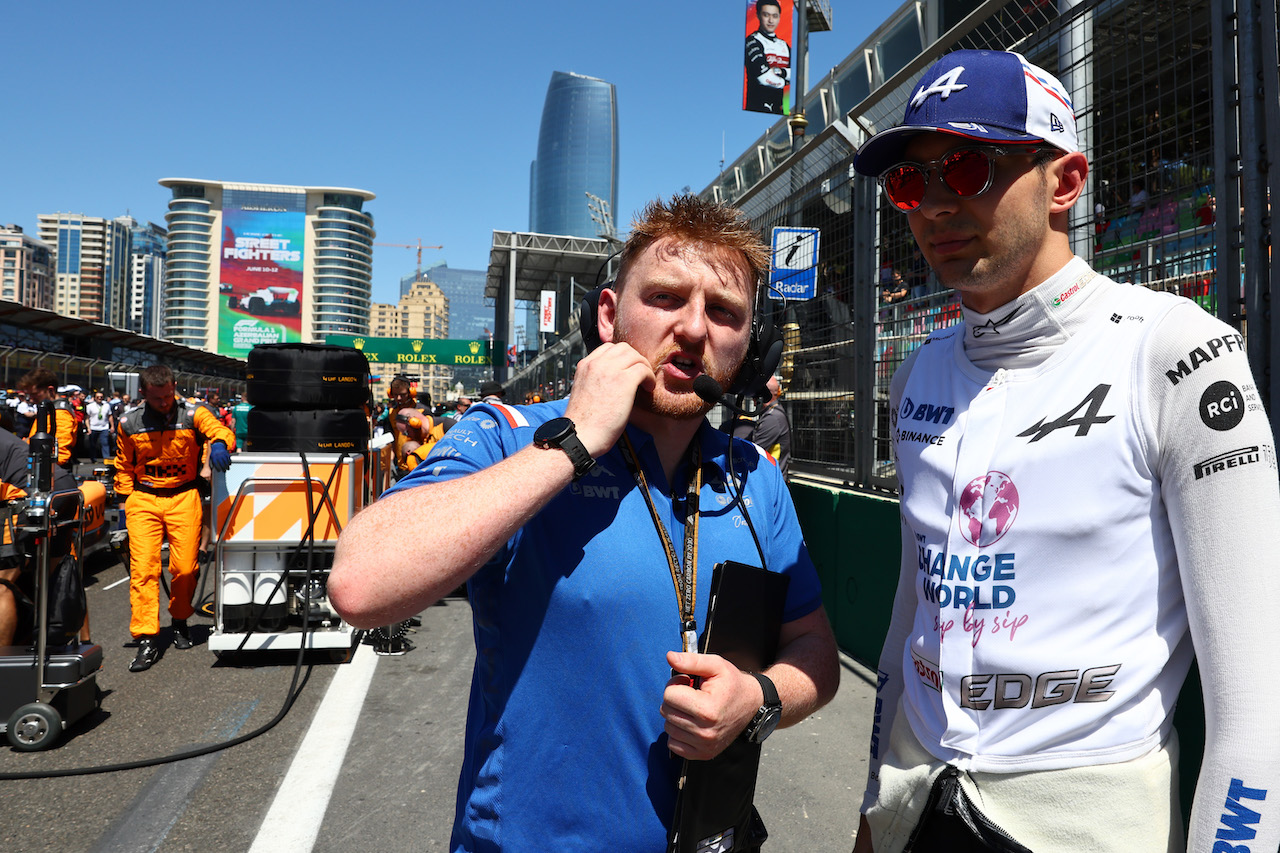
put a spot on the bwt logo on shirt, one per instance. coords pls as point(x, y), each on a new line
point(926, 412)
point(587, 490)
point(1238, 820)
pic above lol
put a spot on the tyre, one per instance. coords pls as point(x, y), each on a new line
point(289, 377)
point(34, 727)
point(314, 431)
point(257, 306)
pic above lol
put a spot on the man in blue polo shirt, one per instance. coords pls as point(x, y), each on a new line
point(605, 513)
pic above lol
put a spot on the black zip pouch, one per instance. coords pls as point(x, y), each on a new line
point(951, 823)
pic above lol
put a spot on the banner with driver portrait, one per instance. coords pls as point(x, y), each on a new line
point(766, 76)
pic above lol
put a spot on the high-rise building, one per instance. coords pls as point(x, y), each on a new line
point(265, 263)
point(92, 277)
point(577, 155)
point(26, 269)
point(422, 313)
point(469, 317)
point(146, 276)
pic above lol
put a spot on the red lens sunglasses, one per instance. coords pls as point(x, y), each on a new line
point(966, 172)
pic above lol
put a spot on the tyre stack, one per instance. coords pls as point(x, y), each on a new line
point(307, 398)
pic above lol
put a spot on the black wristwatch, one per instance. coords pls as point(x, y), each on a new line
point(769, 715)
point(561, 433)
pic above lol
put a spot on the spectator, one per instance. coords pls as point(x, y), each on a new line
point(565, 574)
point(770, 428)
point(895, 290)
point(1138, 198)
point(158, 464)
point(1207, 213)
point(460, 407)
point(39, 387)
point(14, 455)
point(98, 418)
point(491, 392)
point(24, 414)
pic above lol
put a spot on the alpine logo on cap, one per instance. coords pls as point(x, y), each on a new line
point(944, 86)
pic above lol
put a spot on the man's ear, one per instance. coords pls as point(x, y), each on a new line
point(607, 314)
point(1070, 170)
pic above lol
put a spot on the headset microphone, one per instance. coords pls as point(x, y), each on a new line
point(709, 389)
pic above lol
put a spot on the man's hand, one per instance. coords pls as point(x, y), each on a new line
point(604, 392)
point(773, 79)
point(219, 456)
point(702, 721)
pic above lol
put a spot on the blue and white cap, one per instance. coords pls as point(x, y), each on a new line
point(985, 95)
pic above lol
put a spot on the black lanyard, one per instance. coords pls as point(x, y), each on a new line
point(686, 580)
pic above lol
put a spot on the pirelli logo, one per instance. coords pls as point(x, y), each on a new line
point(1224, 461)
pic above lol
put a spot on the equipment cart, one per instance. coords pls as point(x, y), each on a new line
point(46, 687)
point(276, 519)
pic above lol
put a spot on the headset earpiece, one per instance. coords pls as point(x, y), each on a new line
point(764, 354)
point(588, 314)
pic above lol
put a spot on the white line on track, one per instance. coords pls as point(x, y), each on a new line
point(292, 823)
point(115, 584)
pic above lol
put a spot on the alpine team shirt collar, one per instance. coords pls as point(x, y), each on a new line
point(1027, 331)
point(647, 453)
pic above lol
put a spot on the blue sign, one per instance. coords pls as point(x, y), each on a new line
point(794, 274)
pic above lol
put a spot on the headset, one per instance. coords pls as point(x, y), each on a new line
point(764, 352)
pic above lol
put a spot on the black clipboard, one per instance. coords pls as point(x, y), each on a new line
point(714, 811)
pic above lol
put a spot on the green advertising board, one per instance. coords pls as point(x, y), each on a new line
point(419, 351)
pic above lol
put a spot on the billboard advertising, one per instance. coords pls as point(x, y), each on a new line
point(260, 288)
point(766, 75)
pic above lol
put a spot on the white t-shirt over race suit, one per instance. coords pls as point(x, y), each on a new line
point(1089, 496)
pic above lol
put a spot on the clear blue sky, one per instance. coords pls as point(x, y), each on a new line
point(434, 107)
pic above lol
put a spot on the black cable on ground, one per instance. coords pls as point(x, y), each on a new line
point(295, 690)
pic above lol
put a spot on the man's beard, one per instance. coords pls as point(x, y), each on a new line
point(679, 405)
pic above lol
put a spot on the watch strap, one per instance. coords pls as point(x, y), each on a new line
point(767, 687)
point(578, 455)
point(768, 716)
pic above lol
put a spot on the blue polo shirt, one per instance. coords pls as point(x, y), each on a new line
point(573, 618)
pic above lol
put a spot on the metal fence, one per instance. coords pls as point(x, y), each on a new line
point(1178, 200)
point(1177, 105)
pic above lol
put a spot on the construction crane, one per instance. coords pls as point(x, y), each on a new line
point(419, 247)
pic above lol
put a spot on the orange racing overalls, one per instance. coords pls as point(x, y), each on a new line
point(158, 468)
point(65, 432)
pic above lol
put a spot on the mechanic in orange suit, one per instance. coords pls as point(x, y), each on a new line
point(158, 461)
point(39, 386)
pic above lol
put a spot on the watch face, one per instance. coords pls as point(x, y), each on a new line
point(552, 432)
point(770, 723)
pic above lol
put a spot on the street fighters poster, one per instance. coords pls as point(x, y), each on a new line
point(766, 76)
point(260, 291)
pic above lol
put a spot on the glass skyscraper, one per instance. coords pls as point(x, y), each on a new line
point(577, 154)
